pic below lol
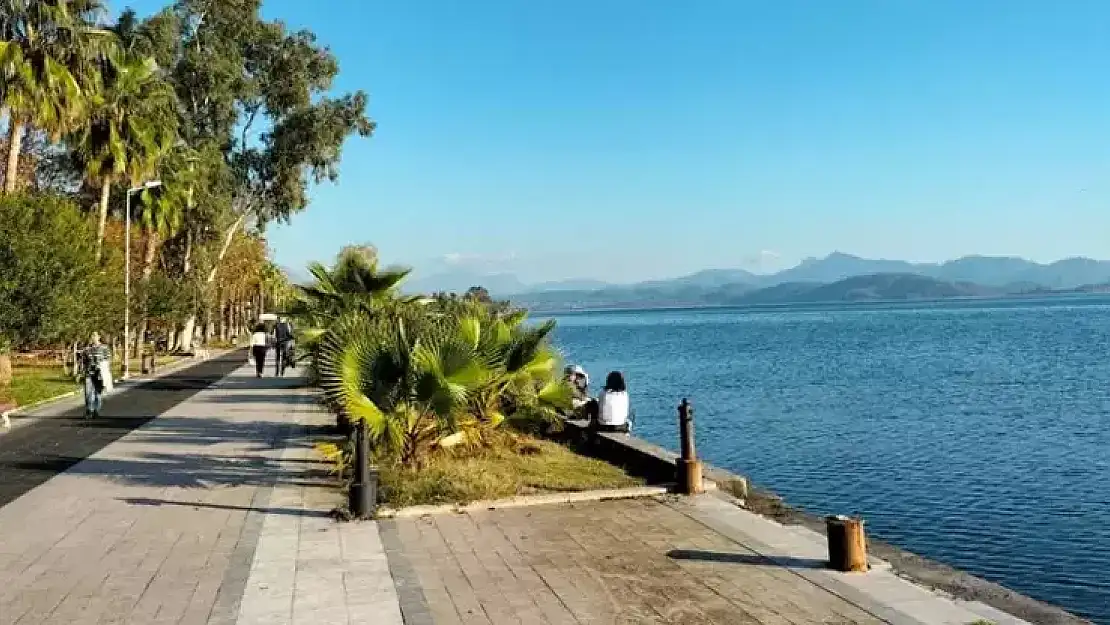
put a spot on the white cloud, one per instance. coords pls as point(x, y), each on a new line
point(462, 259)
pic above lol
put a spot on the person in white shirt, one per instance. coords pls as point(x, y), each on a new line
point(260, 343)
point(612, 405)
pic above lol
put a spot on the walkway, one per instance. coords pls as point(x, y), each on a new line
point(198, 499)
point(212, 510)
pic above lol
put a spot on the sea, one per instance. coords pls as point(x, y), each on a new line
point(972, 432)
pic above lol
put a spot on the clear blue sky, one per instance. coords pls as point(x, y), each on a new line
point(627, 139)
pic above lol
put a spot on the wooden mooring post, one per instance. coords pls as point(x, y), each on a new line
point(689, 467)
point(847, 544)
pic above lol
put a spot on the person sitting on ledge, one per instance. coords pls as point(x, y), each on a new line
point(579, 383)
point(611, 414)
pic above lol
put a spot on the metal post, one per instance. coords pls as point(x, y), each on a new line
point(363, 496)
point(127, 287)
point(689, 467)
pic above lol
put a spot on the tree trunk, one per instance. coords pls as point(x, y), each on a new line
point(15, 146)
point(185, 343)
point(228, 238)
point(152, 239)
point(5, 369)
point(105, 194)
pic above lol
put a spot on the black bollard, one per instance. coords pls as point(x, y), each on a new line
point(362, 499)
point(689, 468)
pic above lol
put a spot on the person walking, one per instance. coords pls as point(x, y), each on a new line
point(260, 342)
point(93, 360)
point(283, 346)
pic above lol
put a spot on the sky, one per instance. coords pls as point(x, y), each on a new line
point(636, 139)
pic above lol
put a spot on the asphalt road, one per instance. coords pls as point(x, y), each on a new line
point(35, 452)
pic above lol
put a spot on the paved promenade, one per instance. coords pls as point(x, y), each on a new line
point(206, 505)
point(198, 499)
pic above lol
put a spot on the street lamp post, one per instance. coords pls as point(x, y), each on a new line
point(127, 274)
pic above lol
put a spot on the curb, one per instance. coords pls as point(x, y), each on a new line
point(521, 501)
point(120, 384)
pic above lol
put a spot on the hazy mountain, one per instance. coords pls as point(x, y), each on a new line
point(837, 266)
point(965, 276)
point(570, 284)
point(707, 278)
point(459, 280)
point(883, 286)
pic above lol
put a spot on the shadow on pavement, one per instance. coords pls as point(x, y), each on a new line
point(745, 558)
point(55, 442)
point(145, 501)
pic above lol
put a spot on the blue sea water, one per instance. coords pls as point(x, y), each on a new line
point(974, 433)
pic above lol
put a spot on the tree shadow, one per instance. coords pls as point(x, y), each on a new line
point(182, 464)
point(745, 558)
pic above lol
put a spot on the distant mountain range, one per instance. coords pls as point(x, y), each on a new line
point(836, 277)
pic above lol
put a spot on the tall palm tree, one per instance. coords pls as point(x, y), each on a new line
point(48, 52)
point(131, 128)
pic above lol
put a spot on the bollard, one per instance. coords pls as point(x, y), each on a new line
point(847, 544)
point(363, 496)
point(689, 467)
point(147, 363)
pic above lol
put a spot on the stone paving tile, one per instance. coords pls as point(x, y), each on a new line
point(603, 562)
point(310, 570)
point(148, 529)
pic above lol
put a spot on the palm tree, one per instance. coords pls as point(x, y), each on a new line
point(131, 128)
point(524, 383)
point(407, 378)
point(353, 282)
point(48, 52)
point(416, 377)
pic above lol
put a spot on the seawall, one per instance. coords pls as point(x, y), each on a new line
point(657, 464)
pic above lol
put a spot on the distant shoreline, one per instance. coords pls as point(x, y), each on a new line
point(1054, 296)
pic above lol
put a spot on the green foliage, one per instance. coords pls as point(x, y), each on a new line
point(51, 288)
point(354, 282)
point(168, 300)
point(425, 374)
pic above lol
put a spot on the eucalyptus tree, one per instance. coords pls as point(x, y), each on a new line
point(260, 96)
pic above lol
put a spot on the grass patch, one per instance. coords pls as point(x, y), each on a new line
point(35, 383)
point(516, 464)
point(31, 384)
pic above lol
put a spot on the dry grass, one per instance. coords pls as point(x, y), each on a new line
point(516, 464)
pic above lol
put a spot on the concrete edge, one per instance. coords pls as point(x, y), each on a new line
point(521, 501)
point(24, 418)
point(857, 597)
point(628, 450)
point(406, 582)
